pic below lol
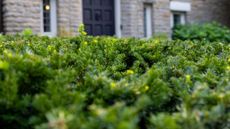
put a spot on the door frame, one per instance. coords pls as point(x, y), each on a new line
point(148, 9)
point(53, 18)
point(117, 16)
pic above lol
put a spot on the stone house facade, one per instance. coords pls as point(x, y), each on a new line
point(123, 18)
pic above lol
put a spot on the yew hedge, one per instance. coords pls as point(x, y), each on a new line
point(108, 83)
point(213, 32)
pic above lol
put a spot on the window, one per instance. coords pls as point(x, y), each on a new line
point(179, 10)
point(147, 20)
point(46, 16)
point(49, 20)
point(178, 18)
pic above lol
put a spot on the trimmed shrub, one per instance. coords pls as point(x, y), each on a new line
point(210, 31)
point(103, 82)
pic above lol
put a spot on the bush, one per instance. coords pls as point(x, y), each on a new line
point(103, 82)
point(209, 31)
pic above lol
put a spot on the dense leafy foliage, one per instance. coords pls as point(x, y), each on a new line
point(209, 31)
point(108, 83)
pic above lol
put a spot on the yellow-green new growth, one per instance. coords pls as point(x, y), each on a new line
point(81, 30)
point(129, 72)
point(4, 65)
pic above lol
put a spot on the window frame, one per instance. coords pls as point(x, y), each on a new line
point(53, 19)
point(147, 20)
point(183, 18)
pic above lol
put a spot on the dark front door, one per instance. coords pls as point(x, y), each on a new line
point(98, 17)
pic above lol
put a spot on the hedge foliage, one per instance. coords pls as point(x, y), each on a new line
point(210, 31)
point(108, 83)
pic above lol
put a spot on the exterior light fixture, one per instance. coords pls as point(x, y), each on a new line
point(47, 7)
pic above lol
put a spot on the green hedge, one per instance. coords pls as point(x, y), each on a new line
point(210, 31)
point(108, 83)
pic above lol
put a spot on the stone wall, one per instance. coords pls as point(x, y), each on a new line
point(132, 18)
point(21, 14)
point(210, 10)
point(161, 18)
point(202, 11)
point(127, 17)
point(69, 14)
